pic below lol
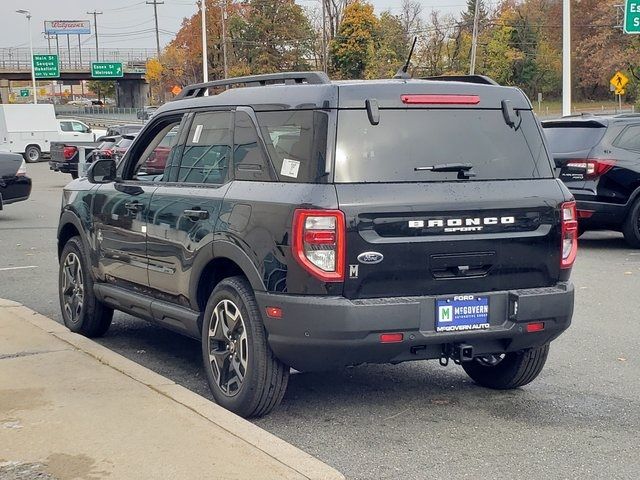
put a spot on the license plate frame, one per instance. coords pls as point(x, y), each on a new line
point(462, 313)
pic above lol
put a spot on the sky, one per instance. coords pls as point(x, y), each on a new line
point(130, 23)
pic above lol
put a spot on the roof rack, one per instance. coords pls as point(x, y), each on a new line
point(288, 78)
point(627, 115)
point(464, 78)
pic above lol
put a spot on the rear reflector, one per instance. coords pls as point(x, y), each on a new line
point(391, 337)
point(585, 213)
point(421, 99)
point(274, 312)
point(535, 327)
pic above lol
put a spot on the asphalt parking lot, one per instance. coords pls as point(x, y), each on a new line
point(579, 419)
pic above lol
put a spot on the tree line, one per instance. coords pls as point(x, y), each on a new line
point(519, 43)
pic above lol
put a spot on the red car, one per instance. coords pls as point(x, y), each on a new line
point(157, 161)
point(120, 148)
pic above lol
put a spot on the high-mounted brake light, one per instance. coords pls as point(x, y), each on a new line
point(440, 99)
point(569, 229)
point(593, 168)
point(319, 243)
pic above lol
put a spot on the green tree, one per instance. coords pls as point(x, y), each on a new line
point(391, 48)
point(353, 48)
point(272, 36)
point(103, 88)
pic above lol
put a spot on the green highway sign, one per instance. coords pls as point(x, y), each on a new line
point(46, 66)
point(107, 69)
point(632, 16)
point(24, 92)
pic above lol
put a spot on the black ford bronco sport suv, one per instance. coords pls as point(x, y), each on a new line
point(313, 224)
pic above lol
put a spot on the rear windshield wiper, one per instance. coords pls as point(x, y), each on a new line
point(463, 169)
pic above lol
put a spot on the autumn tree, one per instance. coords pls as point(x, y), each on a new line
point(272, 36)
point(353, 48)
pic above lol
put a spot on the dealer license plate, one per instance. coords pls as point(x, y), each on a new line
point(462, 313)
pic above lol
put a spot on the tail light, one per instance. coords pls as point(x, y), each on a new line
point(593, 168)
point(22, 171)
point(569, 229)
point(319, 243)
point(106, 153)
point(69, 152)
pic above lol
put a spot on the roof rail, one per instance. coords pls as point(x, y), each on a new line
point(628, 115)
point(287, 78)
point(464, 78)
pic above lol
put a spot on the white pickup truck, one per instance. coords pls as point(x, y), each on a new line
point(29, 130)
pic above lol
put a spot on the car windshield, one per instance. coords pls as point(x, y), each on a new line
point(407, 144)
point(124, 143)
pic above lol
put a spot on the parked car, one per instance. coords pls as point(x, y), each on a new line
point(29, 129)
point(121, 147)
point(119, 130)
point(598, 158)
point(65, 156)
point(313, 224)
point(146, 113)
point(15, 186)
point(157, 161)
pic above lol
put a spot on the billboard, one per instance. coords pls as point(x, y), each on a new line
point(67, 27)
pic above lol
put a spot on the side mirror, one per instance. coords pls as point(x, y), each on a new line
point(102, 170)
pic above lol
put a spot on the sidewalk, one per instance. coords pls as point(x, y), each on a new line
point(72, 409)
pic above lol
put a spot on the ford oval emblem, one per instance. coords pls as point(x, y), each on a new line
point(370, 258)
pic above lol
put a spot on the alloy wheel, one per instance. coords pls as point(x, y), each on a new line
point(72, 287)
point(228, 347)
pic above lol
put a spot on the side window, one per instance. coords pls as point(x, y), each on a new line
point(158, 154)
point(629, 139)
point(78, 127)
point(249, 159)
point(66, 127)
point(207, 150)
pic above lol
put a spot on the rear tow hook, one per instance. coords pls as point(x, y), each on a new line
point(459, 352)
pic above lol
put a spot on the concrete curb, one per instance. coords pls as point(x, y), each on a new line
point(303, 463)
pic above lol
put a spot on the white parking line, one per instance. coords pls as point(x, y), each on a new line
point(17, 268)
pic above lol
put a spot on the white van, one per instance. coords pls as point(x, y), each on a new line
point(29, 130)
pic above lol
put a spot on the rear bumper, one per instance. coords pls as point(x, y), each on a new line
point(63, 167)
point(601, 214)
point(318, 333)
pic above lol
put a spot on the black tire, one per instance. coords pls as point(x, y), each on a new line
point(264, 378)
point(631, 226)
point(513, 370)
point(32, 154)
point(85, 314)
point(74, 175)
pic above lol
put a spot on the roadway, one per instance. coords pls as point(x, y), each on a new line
point(579, 419)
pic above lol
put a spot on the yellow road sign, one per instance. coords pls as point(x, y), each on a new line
point(619, 81)
point(620, 91)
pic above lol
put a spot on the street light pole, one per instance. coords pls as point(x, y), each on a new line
point(95, 28)
point(205, 66)
point(566, 57)
point(27, 13)
point(223, 13)
point(474, 38)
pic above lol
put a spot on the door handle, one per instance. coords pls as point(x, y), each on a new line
point(134, 207)
point(196, 215)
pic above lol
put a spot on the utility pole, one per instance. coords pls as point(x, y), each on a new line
point(474, 38)
point(205, 64)
point(566, 58)
point(95, 28)
point(324, 36)
point(223, 13)
point(27, 14)
point(155, 4)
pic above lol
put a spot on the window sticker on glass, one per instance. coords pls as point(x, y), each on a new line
point(197, 133)
point(290, 168)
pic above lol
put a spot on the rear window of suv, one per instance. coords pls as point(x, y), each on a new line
point(568, 137)
point(406, 139)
